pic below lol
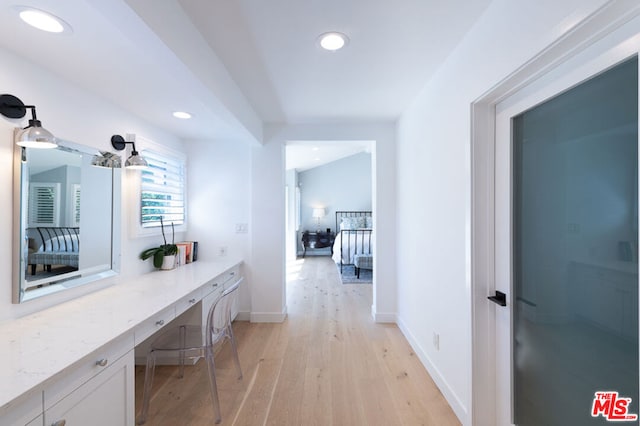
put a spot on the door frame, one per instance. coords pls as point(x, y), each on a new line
point(601, 23)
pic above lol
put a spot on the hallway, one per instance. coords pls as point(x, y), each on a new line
point(327, 364)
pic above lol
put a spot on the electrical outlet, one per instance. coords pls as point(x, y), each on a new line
point(222, 251)
point(436, 341)
point(242, 228)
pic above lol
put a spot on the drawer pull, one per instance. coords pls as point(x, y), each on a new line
point(59, 423)
point(161, 322)
point(192, 301)
point(232, 274)
point(102, 362)
point(215, 285)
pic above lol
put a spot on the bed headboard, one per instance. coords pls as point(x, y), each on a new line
point(341, 214)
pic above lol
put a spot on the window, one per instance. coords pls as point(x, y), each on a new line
point(75, 205)
point(162, 190)
point(44, 204)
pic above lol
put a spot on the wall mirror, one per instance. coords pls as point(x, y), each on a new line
point(66, 220)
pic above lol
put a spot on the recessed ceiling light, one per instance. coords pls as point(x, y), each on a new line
point(333, 41)
point(181, 114)
point(42, 20)
point(315, 148)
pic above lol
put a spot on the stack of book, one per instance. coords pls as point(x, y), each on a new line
point(187, 252)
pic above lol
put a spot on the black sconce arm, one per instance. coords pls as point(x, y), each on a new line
point(118, 143)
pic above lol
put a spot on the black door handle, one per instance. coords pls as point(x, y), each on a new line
point(500, 298)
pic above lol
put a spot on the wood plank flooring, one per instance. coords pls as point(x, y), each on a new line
point(327, 364)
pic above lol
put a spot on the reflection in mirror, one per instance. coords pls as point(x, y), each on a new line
point(66, 220)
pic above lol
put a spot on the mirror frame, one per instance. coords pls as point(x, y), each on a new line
point(58, 283)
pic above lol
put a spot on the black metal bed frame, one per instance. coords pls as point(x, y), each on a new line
point(360, 235)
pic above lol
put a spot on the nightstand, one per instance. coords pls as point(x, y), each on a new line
point(317, 240)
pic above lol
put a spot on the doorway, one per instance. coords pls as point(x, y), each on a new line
point(323, 177)
point(556, 234)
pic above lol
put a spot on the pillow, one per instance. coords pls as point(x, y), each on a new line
point(348, 223)
point(358, 222)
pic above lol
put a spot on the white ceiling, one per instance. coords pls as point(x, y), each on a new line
point(236, 64)
point(306, 155)
point(270, 47)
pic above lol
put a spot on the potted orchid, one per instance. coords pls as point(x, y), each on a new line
point(164, 256)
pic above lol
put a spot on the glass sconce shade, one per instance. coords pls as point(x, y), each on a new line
point(32, 136)
point(136, 161)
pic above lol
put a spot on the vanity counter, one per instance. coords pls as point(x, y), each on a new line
point(38, 349)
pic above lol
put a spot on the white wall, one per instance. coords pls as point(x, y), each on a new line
point(267, 217)
point(291, 241)
point(433, 199)
point(219, 180)
point(76, 115)
point(343, 184)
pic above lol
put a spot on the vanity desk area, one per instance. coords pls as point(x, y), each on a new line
point(73, 363)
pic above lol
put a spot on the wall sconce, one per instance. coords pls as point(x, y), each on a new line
point(136, 161)
point(107, 159)
point(318, 213)
point(32, 136)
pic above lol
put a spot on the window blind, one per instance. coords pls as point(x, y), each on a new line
point(162, 190)
point(44, 204)
point(76, 205)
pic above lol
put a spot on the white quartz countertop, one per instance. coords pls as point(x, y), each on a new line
point(36, 348)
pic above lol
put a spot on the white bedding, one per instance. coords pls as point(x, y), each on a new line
point(357, 241)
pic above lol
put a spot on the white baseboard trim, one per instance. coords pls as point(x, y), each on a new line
point(268, 316)
point(383, 317)
point(454, 401)
point(243, 316)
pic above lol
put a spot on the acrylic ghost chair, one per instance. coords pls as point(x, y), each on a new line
point(186, 341)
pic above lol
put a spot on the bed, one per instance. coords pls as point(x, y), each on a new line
point(354, 241)
point(53, 245)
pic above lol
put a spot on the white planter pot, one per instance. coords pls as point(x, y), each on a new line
point(168, 263)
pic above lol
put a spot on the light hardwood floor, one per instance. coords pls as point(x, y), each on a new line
point(327, 364)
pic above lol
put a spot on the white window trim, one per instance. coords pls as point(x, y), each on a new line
point(133, 187)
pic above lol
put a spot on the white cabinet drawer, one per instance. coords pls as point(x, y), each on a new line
point(221, 281)
point(215, 285)
point(26, 410)
point(154, 324)
point(105, 400)
point(231, 276)
point(81, 372)
point(38, 421)
point(188, 301)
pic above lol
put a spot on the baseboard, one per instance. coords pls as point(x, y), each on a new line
point(268, 316)
point(243, 316)
point(383, 317)
point(454, 401)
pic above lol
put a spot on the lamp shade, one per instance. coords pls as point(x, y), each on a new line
point(36, 136)
point(318, 213)
point(136, 161)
